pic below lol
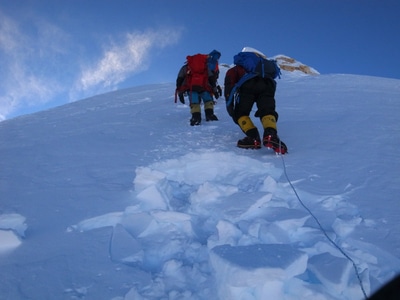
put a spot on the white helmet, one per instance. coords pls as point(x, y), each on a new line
point(250, 49)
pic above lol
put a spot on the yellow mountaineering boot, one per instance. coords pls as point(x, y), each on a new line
point(270, 136)
point(196, 114)
point(252, 138)
point(209, 111)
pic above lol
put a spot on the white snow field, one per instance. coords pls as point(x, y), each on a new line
point(117, 197)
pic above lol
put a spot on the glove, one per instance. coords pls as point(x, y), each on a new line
point(181, 98)
point(219, 90)
point(215, 92)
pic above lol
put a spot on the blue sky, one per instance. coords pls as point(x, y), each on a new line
point(53, 52)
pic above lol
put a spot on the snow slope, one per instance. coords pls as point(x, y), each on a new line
point(117, 197)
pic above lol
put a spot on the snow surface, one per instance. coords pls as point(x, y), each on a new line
point(117, 197)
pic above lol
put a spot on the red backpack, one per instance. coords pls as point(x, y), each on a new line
point(197, 74)
point(196, 77)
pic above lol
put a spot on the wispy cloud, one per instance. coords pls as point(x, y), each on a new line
point(24, 89)
point(41, 63)
point(120, 61)
point(8, 34)
point(25, 63)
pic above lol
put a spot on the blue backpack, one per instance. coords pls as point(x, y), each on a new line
point(212, 62)
point(256, 66)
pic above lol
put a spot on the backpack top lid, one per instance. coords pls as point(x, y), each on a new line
point(254, 50)
point(255, 63)
point(197, 62)
point(215, 55)
point(213, 58)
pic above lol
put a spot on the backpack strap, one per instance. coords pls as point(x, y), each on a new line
point(238, 84)
point(249, 61)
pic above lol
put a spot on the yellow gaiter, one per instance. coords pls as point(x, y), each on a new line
point(195, 108)
point(245, 123)
point(209, 105)
point(269, 121)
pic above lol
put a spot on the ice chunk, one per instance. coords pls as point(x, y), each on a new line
point(8, 241)
point(16, 222)
point(106, 220)
point(344, 227)
point(124, 247)
point(146, 177)
point(336, 274)
point(136, 223)
point(256, 267)
point(151, 198)
point(227, 233)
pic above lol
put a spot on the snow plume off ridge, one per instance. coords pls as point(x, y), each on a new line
point(117, 197)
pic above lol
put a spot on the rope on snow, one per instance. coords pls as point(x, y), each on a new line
point(323, 230)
